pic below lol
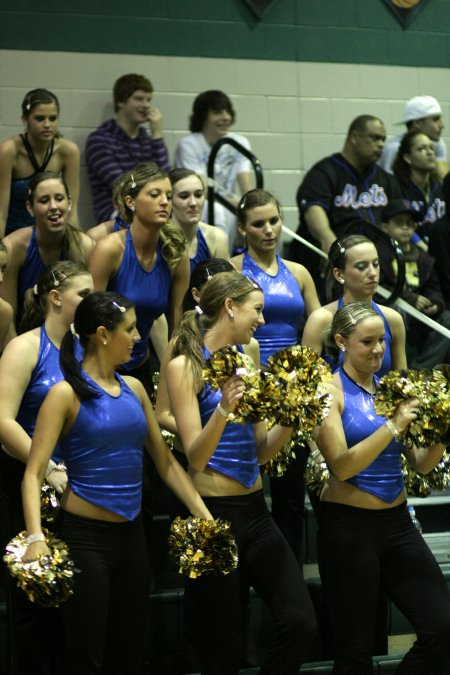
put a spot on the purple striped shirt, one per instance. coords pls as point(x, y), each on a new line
point(110, 152)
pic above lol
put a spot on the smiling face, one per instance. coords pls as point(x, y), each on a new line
point(247, 316)
point(42, 122)
point(152, 203)
point(50, 206)
point(362, 271)
point(365, 346)
point(188, 201)
point(217, 124)
point(136, 108)
point(421, 156)
point(262, 228)
point(121, 340)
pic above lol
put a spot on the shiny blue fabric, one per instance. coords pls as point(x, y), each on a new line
point(283, 307)
point(235, 455)
point(149, 291)
point(120, 224)
point(103, 450)
point(18, 215)
point(29, 273)
point(386, 362)
point(383, 477)
point(45, 374)
point(202, 250)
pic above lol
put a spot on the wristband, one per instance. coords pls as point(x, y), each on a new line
point(32, 538)
point(224, 413)
point(393, 429)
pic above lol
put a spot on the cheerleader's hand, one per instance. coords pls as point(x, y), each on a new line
point(406, 413)
point(232, 392)
point(58, 480)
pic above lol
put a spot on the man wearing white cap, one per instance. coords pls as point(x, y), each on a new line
point(424, 114)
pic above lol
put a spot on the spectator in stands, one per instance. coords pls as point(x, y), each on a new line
point(427, 347)
point(52, 238)
point(343, 187)
point(188, 200)
point(40, 148)
point(367, 540)
point(121, 142)
point(415, 169)
point(211, 119)
point(422, 113)
point(439, 244)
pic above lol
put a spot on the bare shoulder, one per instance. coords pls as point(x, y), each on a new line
point(113, 244)
point(24, 348)
point(393, 317)
point(18, 240)
point(67, 148)
point(135, 385)
point(237, 262)
point(9, 148)
point(252, 350)
point(323, 316)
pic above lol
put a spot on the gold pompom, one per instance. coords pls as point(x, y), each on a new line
point(48, 580)
point(317, 472)
point(49, 503)
point(431, 388)
point(203, 546)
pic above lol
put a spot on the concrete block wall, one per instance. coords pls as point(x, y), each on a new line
point(293, 113)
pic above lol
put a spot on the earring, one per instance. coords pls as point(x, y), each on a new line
point(104, 342)
point(231, 314)
point(341, 281)
point(342, 349)
point(132, 208)
point(58, 302)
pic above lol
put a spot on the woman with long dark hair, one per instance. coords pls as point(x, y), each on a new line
point(40, 148)
point(102, 422)
point(51, 238)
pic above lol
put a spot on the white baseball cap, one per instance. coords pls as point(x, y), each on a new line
point(420, 107)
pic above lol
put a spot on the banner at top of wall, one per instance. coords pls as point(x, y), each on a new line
point(260, 7)
point(406, 10)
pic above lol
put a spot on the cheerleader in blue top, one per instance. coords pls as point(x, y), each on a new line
point(289, 296)
point(147, 262)
point(353, 274)
point(29, 367)
point(366, 539)
point(102, 422)
point(188, 199)
point(224, 463)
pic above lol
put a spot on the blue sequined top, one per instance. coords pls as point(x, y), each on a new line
point(235, 455)
point(45, 374)
point(283, 307)
point(149, 291)
point(383, 477)
point(103, 450)
point(120, 224)
point(202, 251)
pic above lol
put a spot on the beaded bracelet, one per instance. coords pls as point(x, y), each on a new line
point(224, 413)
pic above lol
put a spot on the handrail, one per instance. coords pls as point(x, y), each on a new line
point(213, 195)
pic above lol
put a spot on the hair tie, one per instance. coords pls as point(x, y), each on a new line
point(35, 289)
point(72, 330)
point(121, 308)
point(198, 309)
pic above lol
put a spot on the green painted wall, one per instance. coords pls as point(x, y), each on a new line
point(349, 31)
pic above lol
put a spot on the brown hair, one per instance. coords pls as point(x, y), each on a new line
point(344, 323)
